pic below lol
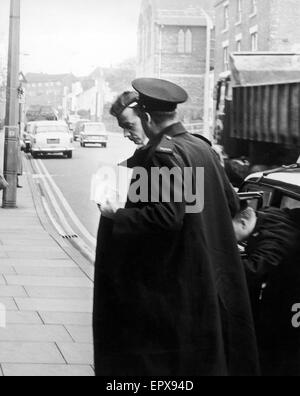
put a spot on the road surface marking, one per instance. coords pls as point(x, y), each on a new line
point(54, 222)
point(67, 207)
point(59, 212)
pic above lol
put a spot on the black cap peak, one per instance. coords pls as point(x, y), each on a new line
point(159, 95)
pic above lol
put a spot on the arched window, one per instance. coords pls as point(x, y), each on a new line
point(185, 41)
point(188, 42)
point(181, 41)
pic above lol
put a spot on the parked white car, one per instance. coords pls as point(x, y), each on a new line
point(51, 137)
point(93, 133)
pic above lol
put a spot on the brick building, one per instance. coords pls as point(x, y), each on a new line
point(86, 95)
point(255, 25)
point(173, 37)
point(47, 90)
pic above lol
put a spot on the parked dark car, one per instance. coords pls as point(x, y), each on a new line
point(279, 187)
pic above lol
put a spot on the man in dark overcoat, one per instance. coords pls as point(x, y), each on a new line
point(272, 268)
point(170, 290)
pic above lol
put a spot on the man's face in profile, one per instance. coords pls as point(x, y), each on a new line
point(131, 123)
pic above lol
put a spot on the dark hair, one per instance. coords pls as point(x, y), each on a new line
point(245, 214)
point(122, 102)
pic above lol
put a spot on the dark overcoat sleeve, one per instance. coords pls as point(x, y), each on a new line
point(270, 250)
point(267, 254)
point(152, 218)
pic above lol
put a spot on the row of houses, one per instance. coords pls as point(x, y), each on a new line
point(69, 94)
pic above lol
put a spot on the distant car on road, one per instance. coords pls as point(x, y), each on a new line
point(72, 120)
point(94, 133)
point(78, 128)
point(51, 137)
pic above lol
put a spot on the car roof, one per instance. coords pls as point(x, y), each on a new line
point(94, 123)
point(50, 123)
point(289, 179)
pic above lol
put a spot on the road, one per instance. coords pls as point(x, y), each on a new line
point(73, 176)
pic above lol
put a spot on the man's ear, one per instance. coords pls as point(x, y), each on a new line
point(148, 118)
point(244, 223)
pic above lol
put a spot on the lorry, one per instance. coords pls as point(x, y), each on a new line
point(258, 113)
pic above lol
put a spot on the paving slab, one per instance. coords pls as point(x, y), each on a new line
point(9, 303)
point(7, 269)
point(16, 263)
point(47, 281)
point(81, 334)
point(77, 353)
point(67, 318)
point(49, 272)
point(59, 292)
point(46, 370)
point(43, 254)
point(18, 317)
point(20, 352)
point(34, 333)
point(12, 291)
point(3, 255)
point(53, 305)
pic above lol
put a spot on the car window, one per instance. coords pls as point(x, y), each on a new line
point(95, 128)
point(267, 196)
point(52, 129)
point(289, 203)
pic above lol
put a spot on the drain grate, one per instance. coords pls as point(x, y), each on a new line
point(70, 236)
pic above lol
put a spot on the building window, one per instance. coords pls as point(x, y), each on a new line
point(188, 42)
point(238, 40)
point(226, 17)
point(185, 41)
point(253, 7)
point(226, 56)
point(254, 42)
point(254, 38)
point(181, 42)
point(239, 12)
point(149, 42)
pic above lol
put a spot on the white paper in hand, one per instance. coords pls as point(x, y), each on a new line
point(111, 183)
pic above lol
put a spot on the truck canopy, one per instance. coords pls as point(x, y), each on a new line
point(260, 68)
point(266, 98)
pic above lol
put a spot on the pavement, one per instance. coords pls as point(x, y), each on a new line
point(46, 295)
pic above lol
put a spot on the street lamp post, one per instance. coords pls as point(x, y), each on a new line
point(11, 150)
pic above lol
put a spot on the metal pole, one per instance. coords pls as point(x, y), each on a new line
point(207, 76)
point(160, 50)
point(11, 148)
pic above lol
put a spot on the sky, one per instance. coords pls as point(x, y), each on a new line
point(62, 36)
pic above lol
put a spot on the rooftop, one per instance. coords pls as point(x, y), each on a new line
point(178, 12)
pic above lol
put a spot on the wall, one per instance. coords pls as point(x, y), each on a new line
point(262, 20)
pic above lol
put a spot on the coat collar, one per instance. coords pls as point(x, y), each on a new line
point(140, 155)
point(174, 130)
point(138, 158)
